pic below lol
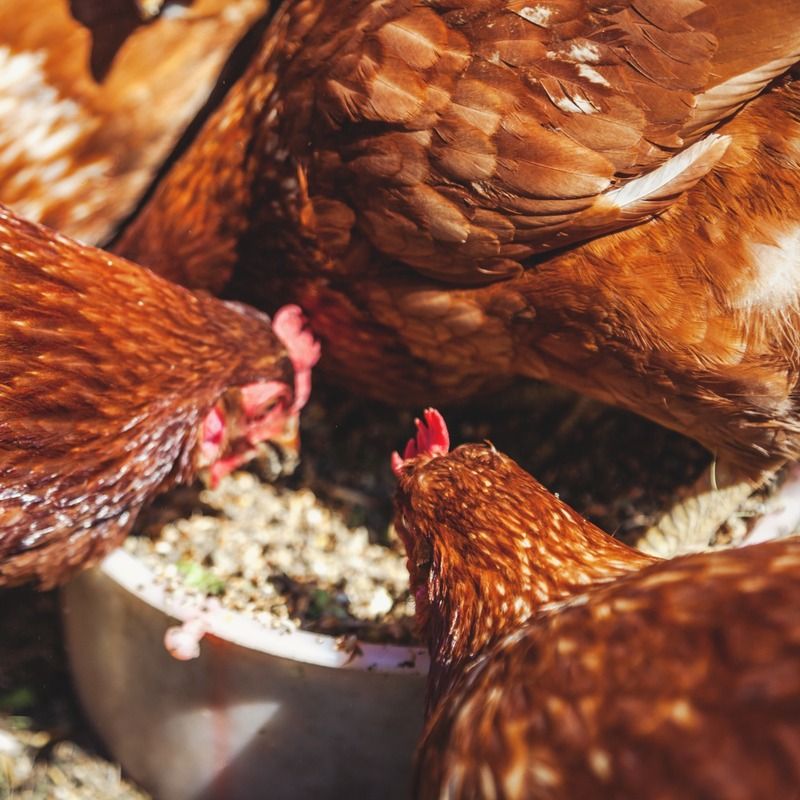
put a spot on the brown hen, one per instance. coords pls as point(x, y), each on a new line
point(421, 168)
point(114, 386)
point(566, 665)
point(94, 94)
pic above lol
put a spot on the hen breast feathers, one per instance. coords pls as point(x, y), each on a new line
point(567, 665)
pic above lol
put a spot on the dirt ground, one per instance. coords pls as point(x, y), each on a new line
point(612, 466)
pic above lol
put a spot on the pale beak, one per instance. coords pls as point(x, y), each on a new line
point(279, 455)
point(289, 438)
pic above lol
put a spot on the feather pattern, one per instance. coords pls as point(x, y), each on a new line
point(567, 665)
point(107, 373)
point(454, 189)
point(93, 100)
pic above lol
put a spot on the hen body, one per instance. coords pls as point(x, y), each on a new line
point(421, 167)
point(94, 94)
point(567, 665)
point(114, 386)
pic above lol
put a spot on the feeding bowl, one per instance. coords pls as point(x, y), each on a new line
point(261, 713)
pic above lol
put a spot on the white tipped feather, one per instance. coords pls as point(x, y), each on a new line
point(724, 99)
point(672, 174)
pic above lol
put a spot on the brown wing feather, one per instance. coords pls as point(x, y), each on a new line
point(461, 139)
point(427, 117)
point(547, 112)
point(757, 42)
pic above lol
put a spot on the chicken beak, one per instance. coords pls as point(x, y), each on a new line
point(288, 440)
point(279, 455)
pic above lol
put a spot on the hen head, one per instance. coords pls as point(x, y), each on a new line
point(468, 534)
point(432, 439)
point(245, 417)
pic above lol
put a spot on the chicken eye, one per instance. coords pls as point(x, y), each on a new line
point(263, 411)
point(257, 400)
point(423, 556)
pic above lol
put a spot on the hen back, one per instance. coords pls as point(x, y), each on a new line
point(106, 374)
point(682, 681)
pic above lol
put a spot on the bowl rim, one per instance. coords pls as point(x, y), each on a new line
point(130, 574)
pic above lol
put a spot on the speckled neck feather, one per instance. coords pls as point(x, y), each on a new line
point(499, 547)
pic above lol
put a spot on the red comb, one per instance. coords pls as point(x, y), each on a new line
point(432, 439)
point(289, 325)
